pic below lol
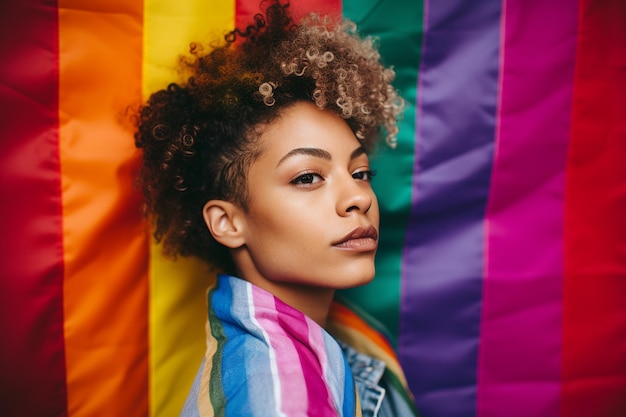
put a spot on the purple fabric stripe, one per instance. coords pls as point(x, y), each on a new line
point(443, 257)
point(520, 357)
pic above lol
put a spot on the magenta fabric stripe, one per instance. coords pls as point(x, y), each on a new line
point(316, 341)
point(519, 372)
point(309, 363)
point(292, 380)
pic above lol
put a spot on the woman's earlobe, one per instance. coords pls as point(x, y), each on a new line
point(224, 222)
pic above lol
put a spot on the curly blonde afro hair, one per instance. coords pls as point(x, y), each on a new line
point(199, 137)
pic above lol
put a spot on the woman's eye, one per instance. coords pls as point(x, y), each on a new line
point(364, 175)
point(308, 178)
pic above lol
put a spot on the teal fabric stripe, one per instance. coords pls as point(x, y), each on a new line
point(398, 25)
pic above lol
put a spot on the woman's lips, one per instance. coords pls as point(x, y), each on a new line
point(361, 239)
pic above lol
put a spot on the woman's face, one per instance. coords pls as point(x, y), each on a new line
point(312, 216)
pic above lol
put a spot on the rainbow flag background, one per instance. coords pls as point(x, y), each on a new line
point(502, 266)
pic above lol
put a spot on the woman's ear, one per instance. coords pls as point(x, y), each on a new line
point(225, 221)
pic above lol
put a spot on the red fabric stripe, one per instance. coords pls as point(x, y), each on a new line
point(246, 9)
point(32, 360)
point(594, 356)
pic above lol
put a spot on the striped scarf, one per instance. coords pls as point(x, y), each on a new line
point(265, 358)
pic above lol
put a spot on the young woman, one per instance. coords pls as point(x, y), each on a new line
point(259, 165)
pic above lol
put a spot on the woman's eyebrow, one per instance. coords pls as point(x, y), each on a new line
point(315, 152)
point(318, 153)
point(357, 152)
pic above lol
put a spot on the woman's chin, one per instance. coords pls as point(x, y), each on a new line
point(359, 280)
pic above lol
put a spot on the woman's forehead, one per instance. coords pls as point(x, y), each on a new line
point(305, 126)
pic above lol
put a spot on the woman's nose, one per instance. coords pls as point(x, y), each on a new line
point(354, 195)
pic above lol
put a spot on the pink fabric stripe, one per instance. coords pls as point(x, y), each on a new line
point(308, 361)
point(292, 381)
point(520, 355)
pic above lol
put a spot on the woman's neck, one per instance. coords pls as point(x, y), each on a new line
point(314, 302)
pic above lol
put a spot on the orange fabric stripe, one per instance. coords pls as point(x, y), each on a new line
point(352, 329)
point(346, 325)
point(342, 315)
point(356, 340)
point(105, 245)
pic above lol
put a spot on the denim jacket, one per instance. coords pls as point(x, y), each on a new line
point(378, 398)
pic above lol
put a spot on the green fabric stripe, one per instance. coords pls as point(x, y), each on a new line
point(216, 391)
point(398, 26)
point(399, 389)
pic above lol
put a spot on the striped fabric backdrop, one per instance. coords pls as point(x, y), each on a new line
point(502, 266)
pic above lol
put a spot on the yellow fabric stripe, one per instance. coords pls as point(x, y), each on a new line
point(170, 26)
point(177, 288)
